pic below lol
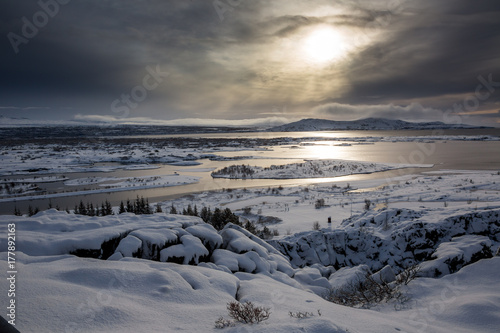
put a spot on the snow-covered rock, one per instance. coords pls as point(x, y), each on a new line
point(129, 246)
point(449, 257)
point(396, 237)
point(209, 236)
point(312, 279)
point(190, 250)
point(385, 275)
point(133, 294)
point(344, 277)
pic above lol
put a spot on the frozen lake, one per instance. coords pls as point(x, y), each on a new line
point(432, 147)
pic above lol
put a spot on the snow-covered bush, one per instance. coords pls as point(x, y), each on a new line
point(302, 315)
point(247, 312)
point(408, 274)
point(365, 291)
point(320, 203)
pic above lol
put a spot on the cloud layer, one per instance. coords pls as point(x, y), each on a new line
point(244, 59)
point(414, 111)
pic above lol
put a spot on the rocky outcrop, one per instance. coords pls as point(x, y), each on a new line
point(399, 238)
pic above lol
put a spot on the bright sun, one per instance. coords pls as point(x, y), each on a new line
point(323, 45)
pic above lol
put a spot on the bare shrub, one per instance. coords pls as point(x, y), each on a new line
point(408, 275)
point(320, 203)
point(223, 323)
point(364, 292)
point(316, 225)
point(247, 312)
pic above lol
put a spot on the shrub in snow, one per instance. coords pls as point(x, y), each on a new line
point(365, 291)
point(408, 274)
point(223, 323)
point(301, 315)
point(320, 203)
point(247, 312)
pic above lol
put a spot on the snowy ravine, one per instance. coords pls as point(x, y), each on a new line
point(309, 169)
point(399, 238)
point(163, 272)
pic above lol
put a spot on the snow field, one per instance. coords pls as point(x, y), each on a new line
point(134, 291)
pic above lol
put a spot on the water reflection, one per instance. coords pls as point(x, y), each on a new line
point(447, 155)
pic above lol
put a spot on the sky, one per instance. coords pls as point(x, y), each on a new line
point(250, 62)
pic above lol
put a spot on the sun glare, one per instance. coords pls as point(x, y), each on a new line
point(323, 45)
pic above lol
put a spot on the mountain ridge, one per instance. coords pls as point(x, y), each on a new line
point(314, 124)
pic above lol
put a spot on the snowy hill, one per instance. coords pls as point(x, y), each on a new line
point(163, 272)
point(312, 124)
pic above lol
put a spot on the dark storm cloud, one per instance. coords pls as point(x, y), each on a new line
point(89, 46)
point(226, 61)
point(431, 50)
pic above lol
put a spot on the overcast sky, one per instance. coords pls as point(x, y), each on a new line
point(250, 61)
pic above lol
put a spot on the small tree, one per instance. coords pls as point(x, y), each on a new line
point(206, 214)
point(158, 208)
point(17, 212)
point(217, 219)
point(122, 209)
point(129, 207)
point(108, 209)
point(316, 225)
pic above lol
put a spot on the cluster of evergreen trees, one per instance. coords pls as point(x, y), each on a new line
point(235, 171)
point(90, 210)
point(218, 217)
point(139, 206)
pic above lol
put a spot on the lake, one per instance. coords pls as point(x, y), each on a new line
point(347, 145)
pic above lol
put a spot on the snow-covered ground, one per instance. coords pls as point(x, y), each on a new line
point(96, 155)
point(135, 182)
point(175, 273)
point(111, 184)
point(433, 193)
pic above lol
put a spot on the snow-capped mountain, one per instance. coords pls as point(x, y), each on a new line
point(311, 124)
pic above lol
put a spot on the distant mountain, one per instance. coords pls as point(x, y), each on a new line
point(311, 124)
